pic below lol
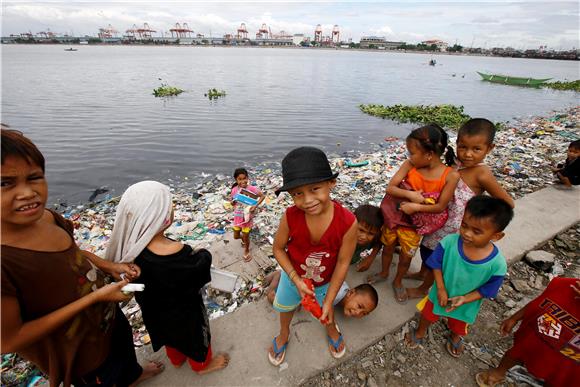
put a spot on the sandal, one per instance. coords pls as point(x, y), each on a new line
point(401, 295)
point(411, 340)
point(247, 257)
point(376, 278)
point(336, 344)
point(276, 360)
point(481, 383)
point(454, 349)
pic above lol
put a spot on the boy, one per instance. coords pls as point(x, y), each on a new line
point(370, 222)
point(356, 302)
point(315, 239)
point(569, 172)
point(467, 267)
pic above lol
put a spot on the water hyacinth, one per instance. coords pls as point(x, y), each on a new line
point(447, 116)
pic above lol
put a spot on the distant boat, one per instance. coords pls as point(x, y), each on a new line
point(71, 49)
point(432, 62)
point(517, 81)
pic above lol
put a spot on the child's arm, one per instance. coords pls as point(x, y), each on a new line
point(17, 334)
point(489, 184)
point(442, 296)
point(368, 261)
point(564, 179)
point(487, 290)
point(444, 198)
point(393, 187)
point(115, 269)
point(279, 249)
point(460, 300)
point(339, 274)
point(260, 200)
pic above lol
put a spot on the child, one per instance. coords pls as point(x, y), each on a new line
point(315, 239)
point(173, 274)
point(357, 302)
point(569, 172)
point(370, 221)
point(424, 172)
point(474, 143)
point(547, 340)
point(467, 267)
point(57, 311)
point(242, 213)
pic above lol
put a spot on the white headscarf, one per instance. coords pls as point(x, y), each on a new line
point(144, 210)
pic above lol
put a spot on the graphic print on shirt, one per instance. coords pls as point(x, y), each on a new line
point(548, 326)
point(313, 266)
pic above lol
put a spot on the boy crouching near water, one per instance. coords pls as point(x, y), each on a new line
point(467, 268)
point(315, 240)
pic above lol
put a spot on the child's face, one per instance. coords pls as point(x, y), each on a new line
point(471, 150)
point(417, 156)
point(314, 198)
point(24, 192)
point(357, 305)
point(365, 234)
point(573, 153)
point(242, 180)
point(478, 232)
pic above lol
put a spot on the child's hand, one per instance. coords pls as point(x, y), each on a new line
point(416, 196)
point(365, 263)
point(327, 317)
point(409, 208)
point(455, 303)
point(122, 271)
point(253, 208)
point(112, 293)
point(303, 289)
point(442, 297)
point(507, 326)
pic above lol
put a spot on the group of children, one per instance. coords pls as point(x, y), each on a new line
point(77, 334)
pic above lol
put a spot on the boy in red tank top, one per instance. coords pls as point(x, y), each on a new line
point(315, 240)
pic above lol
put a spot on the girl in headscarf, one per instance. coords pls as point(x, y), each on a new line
point(172, 306)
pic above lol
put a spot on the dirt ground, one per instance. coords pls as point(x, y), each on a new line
point(390, 363)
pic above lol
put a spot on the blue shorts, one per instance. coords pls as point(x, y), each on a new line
point(287, 296)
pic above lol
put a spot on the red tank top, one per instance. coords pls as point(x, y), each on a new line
point(316, 261)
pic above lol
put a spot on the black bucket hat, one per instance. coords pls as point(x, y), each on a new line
point(305, 165)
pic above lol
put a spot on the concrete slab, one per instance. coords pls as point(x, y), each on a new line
point(247, 333)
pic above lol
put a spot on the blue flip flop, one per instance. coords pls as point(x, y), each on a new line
point(276, 360)
point(414, 340)
point(335, 345)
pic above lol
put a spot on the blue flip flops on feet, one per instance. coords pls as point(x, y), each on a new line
point(454, 349)
point(336, 344)
point(279, 353)
point(411, 340)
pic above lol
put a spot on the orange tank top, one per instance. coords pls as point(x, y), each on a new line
point(418, 182)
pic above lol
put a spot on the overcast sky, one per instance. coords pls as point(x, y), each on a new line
point(519, 24)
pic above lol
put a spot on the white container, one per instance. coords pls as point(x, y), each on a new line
point(223, 280)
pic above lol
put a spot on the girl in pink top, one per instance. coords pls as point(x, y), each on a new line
point(244, 213)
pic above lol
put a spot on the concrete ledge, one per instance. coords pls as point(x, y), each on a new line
point(247, 333)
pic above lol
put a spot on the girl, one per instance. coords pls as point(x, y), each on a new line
point(57, 311)
point(173, 274)
point(243, 214)
point(474, 143)
point(424, 172)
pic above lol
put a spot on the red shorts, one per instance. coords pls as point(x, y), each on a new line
point(456, 326)
point(177, 358)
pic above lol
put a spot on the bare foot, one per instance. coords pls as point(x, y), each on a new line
point(150, 370)
point(416, 276)
point(247, 256)
point(377, 277)
point(217, 363)
point(416, 293)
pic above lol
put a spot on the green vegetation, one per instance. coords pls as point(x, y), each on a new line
point(215, 94)
point(573, 85)
point(166, 91)
point(447, 116)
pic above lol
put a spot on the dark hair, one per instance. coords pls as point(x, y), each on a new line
point(498, 210)
point(432, 138)
point(574, 145)
point(238, 172)
point(369, 291)
point(15, 144)
point(476, 126)
point(370, 215)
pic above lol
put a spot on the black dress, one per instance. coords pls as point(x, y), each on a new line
point(172, 306)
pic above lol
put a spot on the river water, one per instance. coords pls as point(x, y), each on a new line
point(93, 115)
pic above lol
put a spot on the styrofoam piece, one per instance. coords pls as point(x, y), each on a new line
point(223, 280)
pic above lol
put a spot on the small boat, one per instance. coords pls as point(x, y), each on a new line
point(71, 49)
point(432, 62)
point(508, 80)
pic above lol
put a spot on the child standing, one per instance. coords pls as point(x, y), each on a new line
point(57, 311)
point(243, 214)
point(424, 172)
point(474, 143)
point(569, 172)
point(467, 268)
point(315, 240)
point(173, 274)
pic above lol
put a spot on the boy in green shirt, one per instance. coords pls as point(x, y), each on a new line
point(467, 268)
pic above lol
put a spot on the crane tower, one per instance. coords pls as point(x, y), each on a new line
point(242, 31)
point(318, 33)
point(335, 34)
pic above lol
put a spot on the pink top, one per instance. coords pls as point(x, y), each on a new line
point(239, 207)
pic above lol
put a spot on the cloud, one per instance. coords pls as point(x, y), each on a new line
point(484, 20)
point(383, 31)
